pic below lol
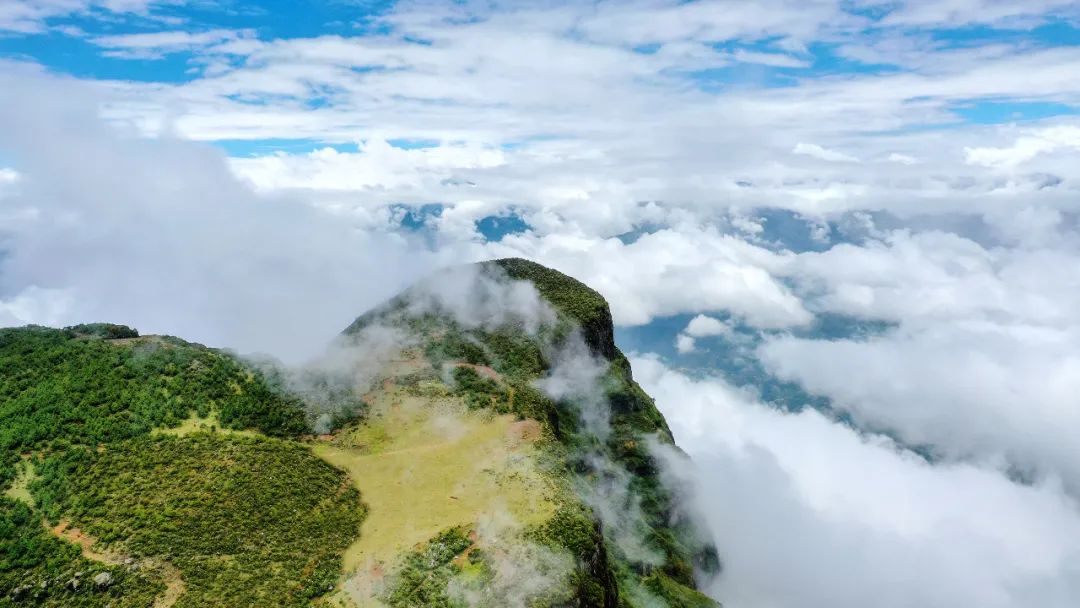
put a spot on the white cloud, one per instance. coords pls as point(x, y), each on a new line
point(808, 513)
point(483, 83)
point(670, 272)
point(980, 277)
point(37, 305)
point(159, 44)
point(159, 234)
point(685, 344)
point(1026, 147)
point(939, 276)
point(982, 363)
point(997, 394)
point(903, 159)
point(774, 59)
point(1006, 13)
point(30, 16)
point(376, 165)
point(703, 326)
point(818, 152)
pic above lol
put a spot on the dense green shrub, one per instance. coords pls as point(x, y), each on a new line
point(36, 569)
point(520, 360)
point(106, 331)
point(426, 572)
point(239, 517)
point(58, 386)
point(248, 521)
point(478, 392)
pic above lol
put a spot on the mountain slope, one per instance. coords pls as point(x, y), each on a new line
point(477, 441)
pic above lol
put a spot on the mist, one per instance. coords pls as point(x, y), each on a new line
point(104, 224)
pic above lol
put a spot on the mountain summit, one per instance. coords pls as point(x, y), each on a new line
point(478, 440)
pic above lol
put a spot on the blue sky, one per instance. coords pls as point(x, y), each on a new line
point(77, 42)
point(839, 238)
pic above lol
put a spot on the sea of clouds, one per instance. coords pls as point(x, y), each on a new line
point(943, 471)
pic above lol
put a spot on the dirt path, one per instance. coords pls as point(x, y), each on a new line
point(174, 586)
point(86, 544)
point(174, 582)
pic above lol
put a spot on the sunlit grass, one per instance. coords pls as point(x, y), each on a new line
point(425, 464)
point(20, 489)
point(196, 424)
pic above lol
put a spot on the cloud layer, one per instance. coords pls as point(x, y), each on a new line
point(808, 512)
point(763, 175)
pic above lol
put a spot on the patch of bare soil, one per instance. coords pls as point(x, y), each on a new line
point(524, 432)
point(483, 370)
point(174, 582)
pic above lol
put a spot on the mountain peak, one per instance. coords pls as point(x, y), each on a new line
point(476, 441)
point(570, 296)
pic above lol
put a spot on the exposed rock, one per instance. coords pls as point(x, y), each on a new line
point(103, 580)
point(20, 592)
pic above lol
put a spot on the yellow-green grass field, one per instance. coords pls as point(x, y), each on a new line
point(424, 464)
point(20, 489)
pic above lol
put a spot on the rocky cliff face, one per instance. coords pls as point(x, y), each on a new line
point(477, 441)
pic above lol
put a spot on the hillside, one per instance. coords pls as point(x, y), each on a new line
point(477, 441)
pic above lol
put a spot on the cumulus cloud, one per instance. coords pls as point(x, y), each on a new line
point(643, 175)
point(1026, 147)
point(703, 326)
point(673, 271)
point(685, 344)
point(981, 360)
point(808, 512)
point(160, 235)
point(903, 159)
point(376, 165)
point(821, 153)
point(675, 135)
point(942, 275)
point(991, 393)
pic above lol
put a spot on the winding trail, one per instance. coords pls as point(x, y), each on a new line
point(174, 582)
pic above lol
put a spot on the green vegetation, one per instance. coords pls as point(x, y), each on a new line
point(425, 574)
point(20, 488)
point(676, 595)
point(107, 331)
point(424, 463)
point(518, 360)
point(176, 470)
point(237, 519)
point(70, 387)
point(477, 391)
point(246, 521)
point(570, 297)
point(39, 569)
point(459, 568)
point(574, 529)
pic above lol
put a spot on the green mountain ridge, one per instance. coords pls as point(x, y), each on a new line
point(481, 442)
